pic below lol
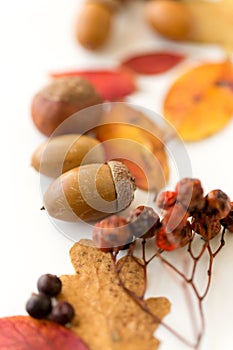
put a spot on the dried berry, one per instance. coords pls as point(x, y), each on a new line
point(112, 232)
point(190, 194)
point(49, 285)
point(39, 306)
point(228, 220)
point(175, 218)
point(218, 203)
point(175, 239)
point(166, 199)
point(62, 313)
point(143, 222)
point(208, 226)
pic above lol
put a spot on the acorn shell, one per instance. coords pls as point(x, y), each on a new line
point(90, 192)
point(94, 25)
point(62, 153)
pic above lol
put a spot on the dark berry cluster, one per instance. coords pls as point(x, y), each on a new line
point(44, 304)
point(185, 211)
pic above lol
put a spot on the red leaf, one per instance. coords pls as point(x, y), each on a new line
point(26, 333)
point(112, 85)
point(153, 63)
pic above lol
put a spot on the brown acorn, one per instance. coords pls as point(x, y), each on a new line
point(64, 152)
point(90, 192)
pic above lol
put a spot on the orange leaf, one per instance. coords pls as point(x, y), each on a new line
point(200, 103)
point(26, 333)
point(130, 136)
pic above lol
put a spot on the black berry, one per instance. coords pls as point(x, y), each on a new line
point(39, 306)
point(49, 285)
point(62, 313)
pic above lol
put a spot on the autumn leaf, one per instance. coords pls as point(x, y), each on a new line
point(26, 333)
point(131, 137)
point(112, 85)
point(200, 102)
point(107, 317)
point(212, 22)
point(153, 63)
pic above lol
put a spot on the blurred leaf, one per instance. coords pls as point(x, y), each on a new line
point(26, 333)
point(200, 102)
point(153, 63)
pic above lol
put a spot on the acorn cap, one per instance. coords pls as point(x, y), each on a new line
point(124, 184)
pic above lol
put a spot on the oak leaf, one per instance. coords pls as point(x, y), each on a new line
point(200, 102)
point(26, 333)
point(107, 317)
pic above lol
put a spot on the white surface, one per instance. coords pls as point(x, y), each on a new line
point(38, 37)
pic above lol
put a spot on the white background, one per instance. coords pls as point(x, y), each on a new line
point(37, 37)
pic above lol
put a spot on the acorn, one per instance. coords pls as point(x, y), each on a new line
point(59, 100)
point(62, 153)
point(169, 18)
point(94, 24)
point(90, 192)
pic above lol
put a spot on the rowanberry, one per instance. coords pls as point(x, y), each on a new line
point(143, 222)
point(112, 233)
point(218, 203)
point(175, 239)
point(175, 218)
point(190, 194)
point(166, 199)
point(227, 222)
point(207, 226)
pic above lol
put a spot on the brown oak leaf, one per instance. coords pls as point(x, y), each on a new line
point(26, 333)
point(107, 317)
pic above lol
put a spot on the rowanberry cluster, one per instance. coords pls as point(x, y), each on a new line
point(185, 212)
point(41, 306)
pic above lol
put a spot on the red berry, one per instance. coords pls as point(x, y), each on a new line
point(166, 199)
point(112, 233)
point(175, 218)
point(174, 240)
